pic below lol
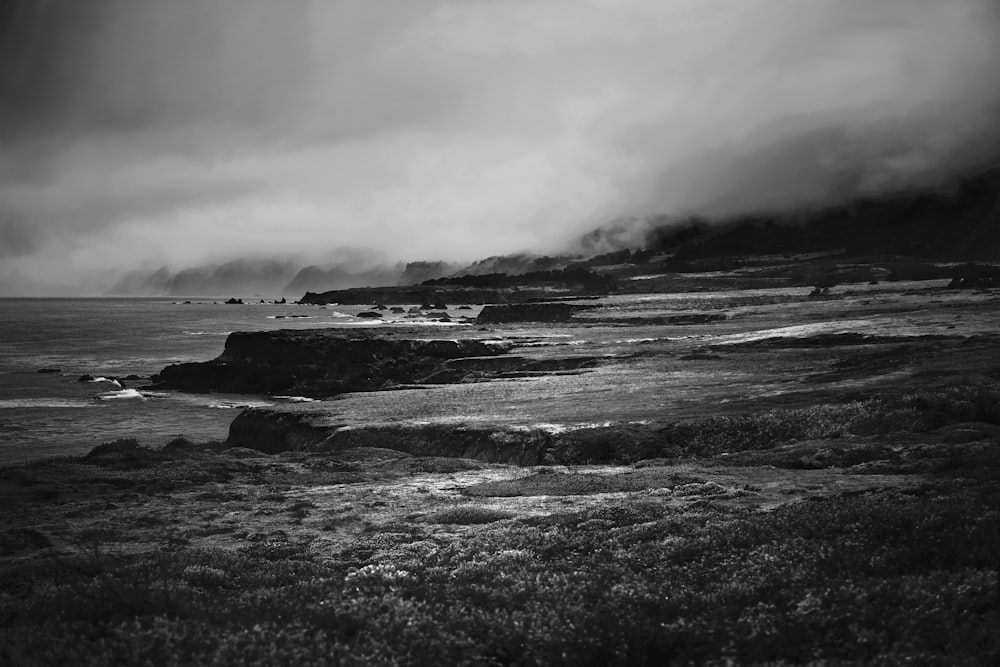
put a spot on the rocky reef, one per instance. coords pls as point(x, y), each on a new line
point(321, 362)
point(273, 431)
point(363, 296)
point(529, 312)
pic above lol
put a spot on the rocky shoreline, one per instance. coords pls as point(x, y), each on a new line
point(581, 381)
point(324, 362)
point(675, 471)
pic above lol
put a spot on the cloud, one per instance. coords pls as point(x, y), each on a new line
point(201, 130)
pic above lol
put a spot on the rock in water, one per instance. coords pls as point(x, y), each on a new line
point(320, 362)
point(529, 312)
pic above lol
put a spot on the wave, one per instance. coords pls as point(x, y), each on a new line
point(206, 333)
point(124, 393)
point(233, 405)
point(297, 399)
point(20, 403)
point(104, 379)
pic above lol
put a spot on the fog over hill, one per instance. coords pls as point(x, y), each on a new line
point(957, 220)
point(960, 222)
point(196, 133)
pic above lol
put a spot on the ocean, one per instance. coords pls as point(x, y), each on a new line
point(54, 414)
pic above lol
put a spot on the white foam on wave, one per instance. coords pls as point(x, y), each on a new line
point(233, 405)
point(104, 379)
point(123, 394)
point(207, 333)
point(297, 399)
point(20, 403)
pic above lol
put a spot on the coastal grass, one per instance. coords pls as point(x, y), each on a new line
point(884, 577)
point(677, 569)
point(547, 482)
point(922, 411)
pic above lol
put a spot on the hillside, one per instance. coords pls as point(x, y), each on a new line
point(960, 223)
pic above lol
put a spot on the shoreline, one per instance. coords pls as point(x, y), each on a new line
point(747, 488)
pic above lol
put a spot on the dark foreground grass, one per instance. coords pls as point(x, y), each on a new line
point(547, 482)
point(880, 578)
point(906, 413)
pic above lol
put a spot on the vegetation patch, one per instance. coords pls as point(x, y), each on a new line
point(571, 484)
point(466, 515)
point(912, 412)
point(874, 578)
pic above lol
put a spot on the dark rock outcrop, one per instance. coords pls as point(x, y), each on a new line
point(234, 301)
point(976, 276)
point(273, 431)
point(320, 362)
point(529, 312)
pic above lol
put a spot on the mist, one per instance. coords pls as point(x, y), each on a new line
point(145, 132)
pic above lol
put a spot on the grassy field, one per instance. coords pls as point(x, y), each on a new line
point(852, 518)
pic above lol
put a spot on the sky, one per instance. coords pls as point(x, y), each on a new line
point(181, 132)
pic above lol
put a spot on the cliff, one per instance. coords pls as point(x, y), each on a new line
point(416, 294)
point(321, 362)
point(530, 312)
point(272, 431)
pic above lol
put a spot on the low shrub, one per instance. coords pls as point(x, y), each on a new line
point(914, 412)
point(875, 578)
point(466, 515)
point(125, 450)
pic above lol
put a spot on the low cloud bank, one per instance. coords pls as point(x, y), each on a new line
point(139, 132)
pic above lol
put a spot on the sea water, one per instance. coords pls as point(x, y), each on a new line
point(54, 414)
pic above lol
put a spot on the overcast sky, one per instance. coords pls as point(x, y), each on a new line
point(140, 132)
